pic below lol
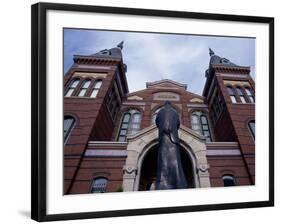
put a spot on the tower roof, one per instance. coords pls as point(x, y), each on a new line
point(215, 59)
point(115, 52)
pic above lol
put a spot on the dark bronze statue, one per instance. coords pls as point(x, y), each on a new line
point(170, 173)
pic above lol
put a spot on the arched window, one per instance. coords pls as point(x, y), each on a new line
point(68, 124)
point(231, 94)
point(250, 94)
point(99, 185)
point(241, 94)
point(72, 87)
point(252, 127)
point(199, 123)
point(153, 120)
point(228, 180)
point(84, 88)
point(96, 88)
point(130, 124)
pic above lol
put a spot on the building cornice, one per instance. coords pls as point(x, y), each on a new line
point(165, 81)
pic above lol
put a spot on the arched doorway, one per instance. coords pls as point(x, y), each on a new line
point(148, 172)
point(141, 144)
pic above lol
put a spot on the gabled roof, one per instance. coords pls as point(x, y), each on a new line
point(166, 83)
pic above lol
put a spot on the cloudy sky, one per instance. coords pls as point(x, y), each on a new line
point(152, 56)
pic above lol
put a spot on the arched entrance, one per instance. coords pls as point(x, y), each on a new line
point(148, 171)
point(140, 171)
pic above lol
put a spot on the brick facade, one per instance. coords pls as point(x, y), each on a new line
point(92, 149)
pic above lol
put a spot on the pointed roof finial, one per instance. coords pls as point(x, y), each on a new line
point(120, 45)
point(211, 52)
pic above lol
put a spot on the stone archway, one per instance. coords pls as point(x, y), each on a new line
point(140, 143)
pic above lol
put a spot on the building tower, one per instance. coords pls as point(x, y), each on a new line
point(229, 92)
point(93, 90)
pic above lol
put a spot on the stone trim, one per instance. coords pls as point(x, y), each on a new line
point(106, 143)
point(140, 143)
point(105, 153)
point(95, 75)
point(163, 96)
point(221, 152)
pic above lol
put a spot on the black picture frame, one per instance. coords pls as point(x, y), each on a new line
point(39, 114)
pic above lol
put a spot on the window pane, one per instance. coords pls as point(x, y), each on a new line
point(68, 123)
point(135, 126)
point(228, 181)
point(133, 131)
point(196, 127)
point(94, 93)
point(239, 91)
point(123, 132)
point(126, 118)
point(154, 118)
point(86, 84)
point(206, 133)
point(69, 92)
point(205, 127)
point(82, 92)
point(74, 84)
point(136, 118)
point(194, 119)
point(97, 84)
point(233, 99)
point(122, 139)
point(204, 120)
point(252, 99)
point(252, 128)
point(99, 185)
point(248, 91)
point(242, 98)
point(230, 90)
point(124, 126)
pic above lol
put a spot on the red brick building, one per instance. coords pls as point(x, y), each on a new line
point(110, 138)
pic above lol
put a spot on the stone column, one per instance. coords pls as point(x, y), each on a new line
point(129, 177)
point(203, 174)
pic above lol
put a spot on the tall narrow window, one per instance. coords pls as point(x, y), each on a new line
point(68, 124)
point(72, 87)
point(250, 94)
point(231, 94)
point(241, 95)
point(96, 88)
point(195, 123)
point(135, 123)
point(199, 123)
point(130, 124)
point(228, 180)
point(252, 127)
point(99, 185)
point(124, 127)
point(84, 88)
point(112, 102)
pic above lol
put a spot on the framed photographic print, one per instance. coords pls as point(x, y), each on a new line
point(139, 111)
